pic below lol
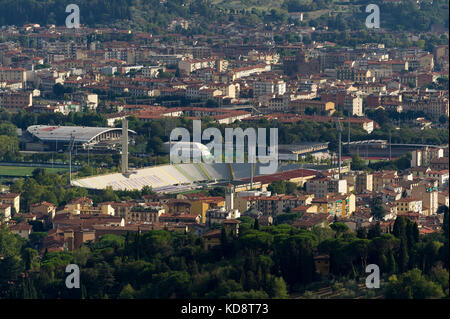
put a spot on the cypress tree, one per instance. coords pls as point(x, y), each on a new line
point(223, 237)
point(361, 232)
point(256, 224)
point(403, 256)
point(445, 224)
point(391, 266)
point(399, 227)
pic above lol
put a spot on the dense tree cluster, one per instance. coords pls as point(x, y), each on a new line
point(154, 16)
point(263, 262)
point(282, 187)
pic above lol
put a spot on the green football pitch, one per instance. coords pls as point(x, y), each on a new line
point(22, 171)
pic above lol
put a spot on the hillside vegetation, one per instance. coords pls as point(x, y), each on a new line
point(155, 15)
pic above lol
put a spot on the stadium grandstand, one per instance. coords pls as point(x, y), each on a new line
point(57, 138)
point(182, 177)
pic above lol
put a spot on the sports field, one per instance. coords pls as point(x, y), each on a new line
point(22, 171)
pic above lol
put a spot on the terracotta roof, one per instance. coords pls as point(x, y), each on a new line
point(9, 195)
point(21, 226)
point(231, 221)
point(216, 233)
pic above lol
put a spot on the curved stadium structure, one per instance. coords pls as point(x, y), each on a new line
point(57, 137)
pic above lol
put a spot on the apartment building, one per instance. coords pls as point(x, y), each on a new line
point(353, 104)
point(364, 182)
point(424, 156)
point(428, 193)
point(300, 106)
point(409, 205)
point(336, 205)
point(322, 186)
point(8, 74)
point(269, 86)
point(16, 101)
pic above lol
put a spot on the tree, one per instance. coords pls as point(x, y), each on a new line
point(59, 89)
point(443, 119)
point(403, 257)
point(391, 264)
point(278, 288)
point(30, 258)
point(374, 231)
point(361, 232)
point(147, 190)
point(440, 275)
point(412, 285)
point(399, 230)
point(9, 148)
point(109, 195)
point(223, 237)
point(339, 228)
point(127, 292)
point(357, 163)
point(8, 129)
point(256, 224)
point(445, 223)
point(10, 269)
point(291, 187)
point(377, 209)
point(277, 187)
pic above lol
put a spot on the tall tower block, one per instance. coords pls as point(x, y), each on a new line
point(124, 146)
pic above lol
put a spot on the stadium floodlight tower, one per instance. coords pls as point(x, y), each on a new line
point(339, 128)
point(71, 144)
point(124, 146)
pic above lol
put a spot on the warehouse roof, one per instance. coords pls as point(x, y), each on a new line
point(82, 134)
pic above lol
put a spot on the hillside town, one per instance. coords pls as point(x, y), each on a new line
point(228, 83)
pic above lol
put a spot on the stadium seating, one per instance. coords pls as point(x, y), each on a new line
point(167, 178)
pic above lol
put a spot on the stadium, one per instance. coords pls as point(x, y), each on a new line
point(175, 178)
point(181, 177)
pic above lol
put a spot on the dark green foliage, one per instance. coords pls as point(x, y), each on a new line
point(413, 285)
point(376, 209)
point(287, 218)
point(264, 263)
point(282, 187)
point(357, 163)
point(374, 231)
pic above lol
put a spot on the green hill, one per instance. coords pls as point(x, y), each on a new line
point(205, 16)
